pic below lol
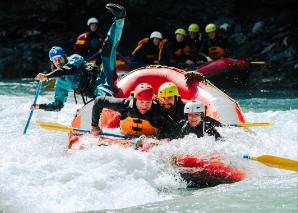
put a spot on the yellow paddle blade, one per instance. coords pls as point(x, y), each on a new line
point(277, 162)
point(254, 124)
point(258, 62)
point(54, 126)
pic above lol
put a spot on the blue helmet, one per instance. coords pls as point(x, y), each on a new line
point(56, 52)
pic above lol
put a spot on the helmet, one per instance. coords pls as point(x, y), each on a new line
point(193, 106)
point(167, 89)
point(92, 21)
point(144, 92)
point(180, 31)
point(156, 34)
point(56, 52)
point(194, 28)
point(210, 28)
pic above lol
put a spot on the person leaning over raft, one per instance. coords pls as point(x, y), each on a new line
point(197, 123)
point(73, 72)
point(139, 115)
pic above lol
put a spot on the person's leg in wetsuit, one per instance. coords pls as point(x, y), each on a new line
point(109, 51)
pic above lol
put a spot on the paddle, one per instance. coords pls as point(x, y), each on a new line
point(275, 162)
point(257, 62)
point(38, 88)
point(64, 128)
point(249, 124)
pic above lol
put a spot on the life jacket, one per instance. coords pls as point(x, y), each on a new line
point(87, 84)
point(161, 48)
point(190, 50)
point(82, 39)
point(140, 44)
point(136, 126)
point(216, 52)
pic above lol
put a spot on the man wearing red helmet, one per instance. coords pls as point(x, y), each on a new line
point(139, 115)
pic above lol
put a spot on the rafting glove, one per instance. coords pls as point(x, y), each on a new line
point(193, 76)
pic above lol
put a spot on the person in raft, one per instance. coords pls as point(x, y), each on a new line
point(169, 98)
point(140, 114)
point(197, 123)
point(74, 73)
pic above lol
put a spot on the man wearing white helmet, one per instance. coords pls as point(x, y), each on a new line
point(148, 49)
point(196, 122)
point(90, 42)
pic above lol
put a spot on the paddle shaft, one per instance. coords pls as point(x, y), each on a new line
point(249, 124)
point(38, 88)
point(103, 133)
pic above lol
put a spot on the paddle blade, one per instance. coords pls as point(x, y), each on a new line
point(276, 162)
point(54, 126)
point(253, 124)
point(258, 62)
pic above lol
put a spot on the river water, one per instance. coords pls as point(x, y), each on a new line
point(37, 174)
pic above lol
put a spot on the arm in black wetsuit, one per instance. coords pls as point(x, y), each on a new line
point(65, 70)
point(116, 104)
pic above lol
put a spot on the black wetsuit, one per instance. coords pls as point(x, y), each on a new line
point(176, 115)
point(156, 116)
point(207, 126)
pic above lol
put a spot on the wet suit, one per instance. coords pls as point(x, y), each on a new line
point(156, 116)
point(206, 126)
point(176, 114)
point(70, 75)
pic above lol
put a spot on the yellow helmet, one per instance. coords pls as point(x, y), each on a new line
point(193, 28)
point(210, 28)
point(180, 31)
point(167, 89)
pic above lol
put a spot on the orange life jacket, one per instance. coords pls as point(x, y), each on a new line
point(140, 44)
point(216, 52)
point(136, 126)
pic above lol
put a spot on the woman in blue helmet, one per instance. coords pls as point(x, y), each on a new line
point(75, 74)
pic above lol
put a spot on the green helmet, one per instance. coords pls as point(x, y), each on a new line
point(167, 89)
point(210, 28)
point(194, 28)
point(180, 31)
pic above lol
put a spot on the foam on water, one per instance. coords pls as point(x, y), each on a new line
point(39, 175)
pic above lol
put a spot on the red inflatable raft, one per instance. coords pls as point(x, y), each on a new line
point(197, 172)
point(224, 72)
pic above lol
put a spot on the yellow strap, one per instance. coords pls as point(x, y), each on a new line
point(140, 44)
point(80, 42)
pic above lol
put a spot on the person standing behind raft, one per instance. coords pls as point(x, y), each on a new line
point(90, 42)
point(75, 74)
point(197, 123)
point(148, 49)
point(215, 46)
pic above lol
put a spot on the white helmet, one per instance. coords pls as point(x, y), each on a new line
point(156, 34)
point(193, 106)
point(92, 21)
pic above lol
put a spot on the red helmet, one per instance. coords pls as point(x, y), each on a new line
point(144, 92)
